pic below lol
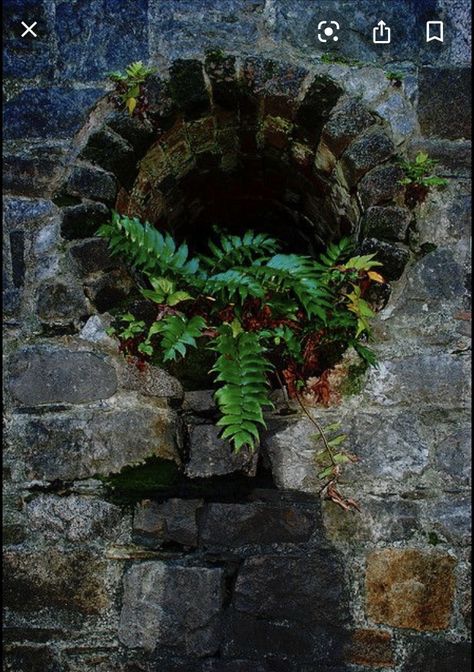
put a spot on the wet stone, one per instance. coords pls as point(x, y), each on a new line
point(409, 588)
point(40, 375)
point(258, 523)
point(364, 154)
point(46, 113)
point(380, 185)
point(172, 606)
point(89, 182)
point(387, 223)
point(172, 521)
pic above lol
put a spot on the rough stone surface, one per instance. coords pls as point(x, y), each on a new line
point(73, 519)
point(41, 375)
point(60, 300)
point(345, 124)
point(408, 588)
point(257, 523)
point(303, 590)
point(152, 382)
point(83, 220)
point(392, 257)
point(381, 185)
point(373, 648)
point(172, 521)
point(172, 606)
point(210, 456)
point(89, 182)
point(445, 99)
point(433, 655)
point(92, 255)
point(387, 223)
point(368, 151)
point(68, 446)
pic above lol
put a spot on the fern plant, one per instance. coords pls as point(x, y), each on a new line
point(265, 315)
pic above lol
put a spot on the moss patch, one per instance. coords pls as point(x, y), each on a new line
point(154, 476)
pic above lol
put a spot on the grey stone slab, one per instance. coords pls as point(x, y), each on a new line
point(173, 606)
point(43, 375)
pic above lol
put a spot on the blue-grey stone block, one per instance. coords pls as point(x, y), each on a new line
point(46, 113)
point(96, 36)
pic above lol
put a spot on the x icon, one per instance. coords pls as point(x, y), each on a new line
point(29, 29)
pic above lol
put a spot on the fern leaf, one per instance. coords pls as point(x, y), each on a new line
point(177, 334)
point(242, 367)
point(236, 251)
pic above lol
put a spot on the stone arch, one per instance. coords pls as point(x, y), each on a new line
point(258, 138)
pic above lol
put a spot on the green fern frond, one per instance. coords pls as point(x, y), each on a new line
point(334, 253)
point(146, 248)
point(241, 368)
point(177, 334)
point(232, 251)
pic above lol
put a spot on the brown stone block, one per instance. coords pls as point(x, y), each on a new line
point(201, 134)
point(371, 647)
point(409, 588)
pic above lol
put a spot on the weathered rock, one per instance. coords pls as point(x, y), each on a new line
point(435, 655)
point(200, 402)
point(211, 456)
point(381, 520)
point(436, 277)
point(380, 185)
point(33, 170)
point(365, 153)
point(187, 88)
point(257, 639)
point(69, 446)
point(451, 519)
point(387, 223)
point(401, 116)
point(345, 124)
point(173, 606)
point(73, 519)
point(54, 579)
point(113, 153)
point(136, 132)
point(258, 523)
point(444, 102)
point(95, 331)
point(43, 375)
point(409, 588)
point(451, 455)
point(109, 290)
point(393, 258)
point(373, 648)
point(26, 212)
point(305, 589)
point(60, 300)
point(83, 220)
point(32, 658)
point(173, 520)
point(46, 113)
point(316, 107)
point(428, 379)
point(86, 181)
point(92, 255)
point(151, 382)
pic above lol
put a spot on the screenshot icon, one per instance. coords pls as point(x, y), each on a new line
point(327, 31)
point(434, 31)
point(381, 33)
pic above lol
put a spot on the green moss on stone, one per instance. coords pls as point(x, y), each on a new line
point(156, 474)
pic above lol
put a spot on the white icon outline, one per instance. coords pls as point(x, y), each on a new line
point(328, 31)
point(385, 33)
point(439, 37)
point(29, 29)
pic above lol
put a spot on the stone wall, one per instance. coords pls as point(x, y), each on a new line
point(134, 540)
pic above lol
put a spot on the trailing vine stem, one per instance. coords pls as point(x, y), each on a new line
point(319, 428)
